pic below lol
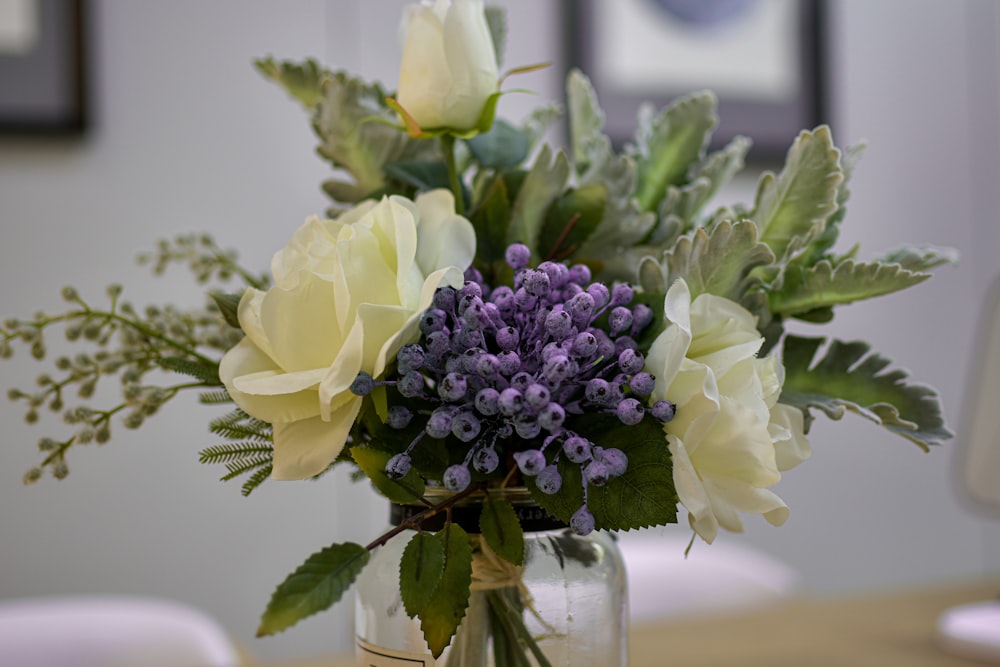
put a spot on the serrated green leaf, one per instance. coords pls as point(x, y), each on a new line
point(719, 263)
point(546, 180)
point(503, 147)
point(804, 290)
point(300, 80)
point(501, 529)
point(921, 258)
point(420, 571)
point(422, 174)
point(571, 219)
point(407, 489)
point(352, 137)
point(229, 306)
point(316, 585)
point(798, 202)
point(440, 618)
point(644, 496)
point(849, 376)
point(667, 145)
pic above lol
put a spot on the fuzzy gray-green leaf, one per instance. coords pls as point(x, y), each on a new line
point(315, 586)
point(420, 571)
point(668, 145)
point(797, 203)
point(586, 120)
point(823, 285)
point(849, 376)
point(301, 80)
point(546, 180)
point(921, 258)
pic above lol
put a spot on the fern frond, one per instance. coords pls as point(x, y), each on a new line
point(256, 480)
point(228, 419)
point(237, 468)
point(215, 397)
point(200, 370)
point(249, 431)
point(232, 451)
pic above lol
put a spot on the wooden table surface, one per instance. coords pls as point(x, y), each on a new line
point(886, 629)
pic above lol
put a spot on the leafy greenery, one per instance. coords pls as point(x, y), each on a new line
point(441, 615)
point(421, 570)
point(501, 529)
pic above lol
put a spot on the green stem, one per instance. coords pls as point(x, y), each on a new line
point(448, 148)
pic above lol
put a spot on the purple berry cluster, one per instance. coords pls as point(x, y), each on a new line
point(503, 369)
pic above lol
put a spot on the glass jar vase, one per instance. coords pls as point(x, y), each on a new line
point(566, 607)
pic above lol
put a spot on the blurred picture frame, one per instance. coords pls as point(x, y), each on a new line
point(763, 58)
point(42, 67)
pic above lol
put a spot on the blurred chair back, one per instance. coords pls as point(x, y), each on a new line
point(110, 632)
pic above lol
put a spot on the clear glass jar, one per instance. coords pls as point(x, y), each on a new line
point(569, 600)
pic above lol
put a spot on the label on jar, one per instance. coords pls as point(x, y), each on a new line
point(369, 655)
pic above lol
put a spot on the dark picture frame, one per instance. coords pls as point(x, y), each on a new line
point(772, 123)
point(43, 85)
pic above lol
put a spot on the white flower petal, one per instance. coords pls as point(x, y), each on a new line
point(306, 447)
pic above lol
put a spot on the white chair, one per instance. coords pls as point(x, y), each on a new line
point(662, 583)
point(90, 631)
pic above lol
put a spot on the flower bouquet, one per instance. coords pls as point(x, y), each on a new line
point(505, 338)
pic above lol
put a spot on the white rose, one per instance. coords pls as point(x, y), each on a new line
point(449, 66)
point(348, 294)
point(730, 438)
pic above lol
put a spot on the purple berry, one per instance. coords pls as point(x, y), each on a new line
point(487, 401)
point(537, 396)
point(581, 308)
point(444, 299)
point(600, 293)
point(508, 338)
point(437, 343)
point(582, 522)
point(597, 473)
point(642, 317)
point(456, 478)
point(579, 274)
point(577, 449)
point(485, 460)
point(584, 345)
point(642, 384)
point(410, 385)
point(439, 423)
point(552, 417)
point(521, 381)
point(630, 412)
point(363, 384)
point(511, 402)
point(530, 461)
point(510, 363)
point(433, 320)
point(452, 387)
point(398, 466)
point(487, 366)
point(557, 368)
point(399, 417)
point(630, 361)
point(409, 358)
point(616, 461)
point(597, 391)
point(535, 282)
point(619, 320)
point(621, 294)
point(526, 426)
point(558, 324)
point(517, 256)
point(663, 411)
point(524, 300)
point(465, 426)
point(549, 480)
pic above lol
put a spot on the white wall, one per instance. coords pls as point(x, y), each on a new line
point(189, 137)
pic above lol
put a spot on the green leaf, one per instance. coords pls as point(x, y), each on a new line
point(538, 122)
point(571, 219)
point(802, 290)
point(849, 376)
point(546, 180)
point(490, 220)
point(849, 159)
point(229, 305)
point(351, 122)
point(407, 489)
point(921, 258)
point(686, 201)
point(496, 21)
point(420, 571)
point(207, 372)
point(422, 174)
point(300, 80)
point(799, 201)
point(666, 146)
point(644, 496)
point(501, 528)
point(440, 618)
point(719, 263)
point(586, 120)
point(315, 586)
point(504, 146)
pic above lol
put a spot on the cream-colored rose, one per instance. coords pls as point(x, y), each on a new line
point(348, 294)
point(449, 66)
point(730, 437)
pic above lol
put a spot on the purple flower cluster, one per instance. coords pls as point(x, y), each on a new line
point(505, 368)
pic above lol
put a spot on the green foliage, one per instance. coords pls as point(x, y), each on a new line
point(849, 376)
point(541, 186)
point(666, 145)
point(496, 20)
point(571, 219)
point(822, 285)
point(644, 496)
point(407, 489)
point(252, 449)
point(421, 570)
point(229, 305)
point(422, 175)
point(501, 529)
point(920, 258)
point(490, 221)
point(793, 207)
point(303, 81)
point(205, 371)
point(503, 147)
point(314, 586)
point(441, 616)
